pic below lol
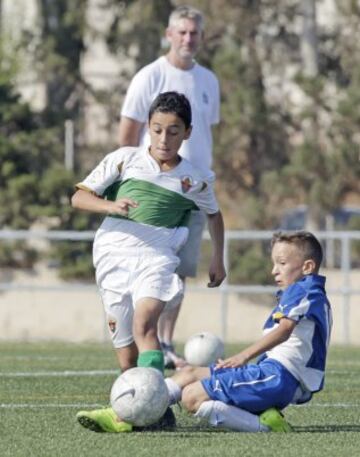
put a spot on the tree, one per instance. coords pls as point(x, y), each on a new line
point(34, 185)
point(322, 167)
point(62, 26)
point(137, 29)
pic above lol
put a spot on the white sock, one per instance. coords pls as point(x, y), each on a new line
point(174, 391)
point(219, 414)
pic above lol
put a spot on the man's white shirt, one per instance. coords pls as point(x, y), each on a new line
point(198, 84)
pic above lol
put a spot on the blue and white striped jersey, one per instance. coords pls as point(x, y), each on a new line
point(304, 353)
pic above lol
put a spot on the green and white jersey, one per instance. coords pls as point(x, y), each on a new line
point(165, 199)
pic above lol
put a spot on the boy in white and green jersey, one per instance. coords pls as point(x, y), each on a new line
point(147, 195)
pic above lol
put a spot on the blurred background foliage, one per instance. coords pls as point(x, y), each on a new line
point(289, 131)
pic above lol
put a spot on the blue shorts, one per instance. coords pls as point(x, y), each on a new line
point(252, 387)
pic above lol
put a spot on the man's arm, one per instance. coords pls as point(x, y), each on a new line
point(129, 131)
point(275, 337)
point(217, 271)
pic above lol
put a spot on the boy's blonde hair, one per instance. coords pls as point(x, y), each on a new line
point(306, 242)
point(187, 12)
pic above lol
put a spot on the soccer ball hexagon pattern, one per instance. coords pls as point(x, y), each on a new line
point(140, 396)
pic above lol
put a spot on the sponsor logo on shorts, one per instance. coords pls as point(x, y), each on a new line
point(186, 183)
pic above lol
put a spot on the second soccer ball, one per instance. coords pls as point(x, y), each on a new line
point(203, 349)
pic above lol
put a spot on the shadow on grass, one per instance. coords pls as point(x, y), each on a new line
point(186, 430)
point(327, 428)
point(195, 432)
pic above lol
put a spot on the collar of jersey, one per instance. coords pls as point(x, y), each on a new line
point(155, 165)
point(306, 280)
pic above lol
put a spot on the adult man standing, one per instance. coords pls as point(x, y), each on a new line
point(177, 70)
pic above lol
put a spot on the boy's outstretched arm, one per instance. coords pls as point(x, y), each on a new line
point(91, 202)
point(275, 337)
point(217, 271)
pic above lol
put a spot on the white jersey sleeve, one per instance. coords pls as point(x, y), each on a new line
point(106, 172)
point(201, 191)
point(206, 200)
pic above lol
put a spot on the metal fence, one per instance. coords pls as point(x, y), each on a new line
point(346, 291)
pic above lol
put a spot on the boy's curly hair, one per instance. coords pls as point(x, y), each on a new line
point(172, 102)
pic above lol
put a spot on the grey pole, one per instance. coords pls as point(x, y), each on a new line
point(69, 145)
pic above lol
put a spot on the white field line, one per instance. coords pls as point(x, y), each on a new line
point(54, 374)
point(328, 405)
point(342, 372)
point(345, 363)
point(69, 373)
point(49, 405)
point(33, 357)
point(97, 405)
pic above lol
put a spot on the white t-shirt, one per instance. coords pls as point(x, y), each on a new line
point(198, 84)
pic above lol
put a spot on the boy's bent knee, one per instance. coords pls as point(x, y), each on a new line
point(189, 374)
point(193, 396)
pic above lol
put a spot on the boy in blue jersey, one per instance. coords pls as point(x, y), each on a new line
point(248, 397)
point(149, 195)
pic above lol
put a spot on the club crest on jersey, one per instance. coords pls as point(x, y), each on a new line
point(277, 316)
point(186, 183)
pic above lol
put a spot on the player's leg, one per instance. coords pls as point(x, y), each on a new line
point(189, 257)
point(113, 276)
point(156, 285)
point(167, 322)
point(127, 356)
point(252, 388)
point(218, 414)
point(166, 327)
point(193, 396)
point(146, 316)
point(222, 415)
point(190, 374)
point(182, 378)
point(119, 318)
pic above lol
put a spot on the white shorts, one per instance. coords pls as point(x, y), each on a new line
point(124, 280)
point(189, 254)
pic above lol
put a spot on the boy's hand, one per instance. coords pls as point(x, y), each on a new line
point(235, 361)
point(122, 206)
point(217, 274)
point(275, 337)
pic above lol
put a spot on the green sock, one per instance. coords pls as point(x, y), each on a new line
point(152, 359)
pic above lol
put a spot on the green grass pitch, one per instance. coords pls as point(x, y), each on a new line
point(42, 386)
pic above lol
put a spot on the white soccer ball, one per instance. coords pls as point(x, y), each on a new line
point(140, 396)
point(203, 349)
